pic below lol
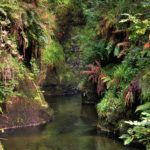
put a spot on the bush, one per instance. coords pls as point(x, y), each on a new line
point(53, 54)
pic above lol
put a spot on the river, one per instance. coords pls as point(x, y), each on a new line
point(73, 128)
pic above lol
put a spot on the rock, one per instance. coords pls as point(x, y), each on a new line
point(23, 113)
point(89, 94)
point(23, 104)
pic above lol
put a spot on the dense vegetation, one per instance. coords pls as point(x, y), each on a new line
point(24, 38)
point(108, 40)
point(115, 48)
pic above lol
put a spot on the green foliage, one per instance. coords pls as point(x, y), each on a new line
point(109, 104)
point(6, 91)
point(35, 67)
point(95, 49)
point(8, 81)
point(124, 73)
point(65, 2)
point(145, 107)
point(139, 27)
point(145, 82)
point(140, 131)
point(146, 4)
point(53, 54)
point(119, 73)
point(91, 12)
point(122, 76)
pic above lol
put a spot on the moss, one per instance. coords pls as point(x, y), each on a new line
point(111, 109)
point(26, 31)
point(53, 54)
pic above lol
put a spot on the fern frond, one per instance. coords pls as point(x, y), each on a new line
point(143, 107)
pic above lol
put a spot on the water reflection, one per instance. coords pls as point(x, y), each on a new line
point(72, 129)
point(88, 112)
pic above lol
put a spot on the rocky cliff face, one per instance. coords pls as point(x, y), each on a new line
point(21, 33)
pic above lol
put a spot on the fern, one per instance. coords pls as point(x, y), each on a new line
point(144, 107)
point(53, 54)
point(96, 75)
point(140, 131)
point(3, 12)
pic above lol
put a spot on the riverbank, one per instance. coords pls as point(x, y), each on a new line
point(73, 128)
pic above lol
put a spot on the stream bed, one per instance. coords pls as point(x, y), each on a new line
point(73, 128)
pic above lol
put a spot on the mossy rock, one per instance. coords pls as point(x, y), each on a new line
point(23, 104)
point(21, 112)
point(110, 111)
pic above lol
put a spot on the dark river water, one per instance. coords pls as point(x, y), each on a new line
point(73, 128)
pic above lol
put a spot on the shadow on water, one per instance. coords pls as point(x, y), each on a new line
point(73, 128)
